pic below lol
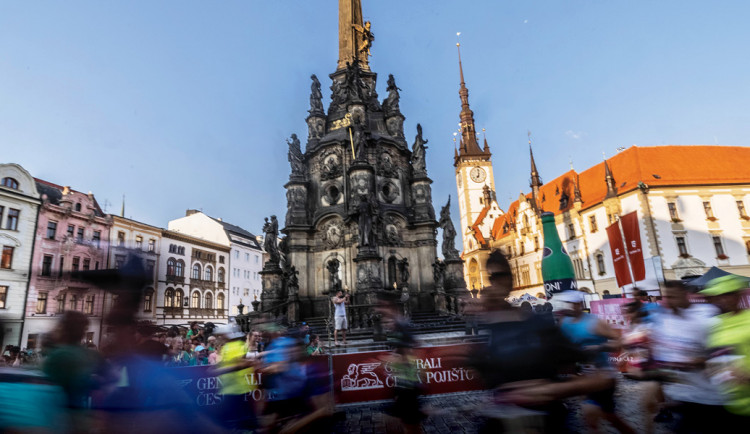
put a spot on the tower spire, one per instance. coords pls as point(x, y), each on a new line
point(468, 129)
point(611, 187)
point(536, 180)
point(355, 37)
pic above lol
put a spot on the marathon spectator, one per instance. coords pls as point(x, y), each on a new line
point(214, 356)
point(314, 348)
point(679, 348)
point(729, 339)
point(646, 305)
point(253, 344)
point(193, 331)
point(304, 331)
point(211, 343)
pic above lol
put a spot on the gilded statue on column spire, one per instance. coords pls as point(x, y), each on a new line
point(355, 37)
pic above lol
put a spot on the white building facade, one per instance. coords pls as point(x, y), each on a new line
point(19, 205)
point(245, 260)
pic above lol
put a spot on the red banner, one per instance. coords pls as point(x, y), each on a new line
point(618, 255)
point(633, 241)
point(369, 376)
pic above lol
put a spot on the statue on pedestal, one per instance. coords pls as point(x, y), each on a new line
point(270, 244)
point(390, 104)
point(449, 232)
point(367, 213)
point(418, 152)
point(333, 275)
point(296, 159)
point(316, 97)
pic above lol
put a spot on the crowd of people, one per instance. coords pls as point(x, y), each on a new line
point(691, 362)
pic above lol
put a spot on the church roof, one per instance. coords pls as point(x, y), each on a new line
point(672, 165)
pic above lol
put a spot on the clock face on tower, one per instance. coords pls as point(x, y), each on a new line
point(477, 174)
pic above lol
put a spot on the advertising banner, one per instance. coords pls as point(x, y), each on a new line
point(610, 310)
point(632, 234)
point(622, 273)
point(370, 376)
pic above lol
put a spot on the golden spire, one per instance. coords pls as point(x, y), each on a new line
point(355, 37)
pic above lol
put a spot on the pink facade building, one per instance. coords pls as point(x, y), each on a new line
point(72, 234)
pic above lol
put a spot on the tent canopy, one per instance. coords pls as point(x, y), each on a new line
point(711, 274)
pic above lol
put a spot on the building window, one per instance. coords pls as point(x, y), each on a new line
point(12, 221)
point(220, 301)
point(61, 303)
point(139, 242)
point(246, 292)
point(121, 238)
point(236, 254)
point(209, 274)
point(76, 263)
point(97, 238)
point(78, 207)
point(673, 211)
point(119, 261)
point(536, 243)
point(718, 246)
point(47, 265)
point(600, 265)
point(3, 296)
point(247, 257)
point(195, 300)
point(221, 275)
point(147, 301)
point(571, 231)
point(709, 211)
point(150, 266)
point(208, 301)
point(741, 209)
point(51, 230)
point(592, 224)
point(152, 245)
point(221, 259)
point(86, 264)
point(10, 183)
point(682, 246)
point(72, 302)
point(171, 264)
point(178, 298)
point(179, 269)
point(7, 259)
point(196, 272)
point(71, 231)
point(257, 258)
point(172, 248)
point(41, 303)
point(88, 308)
point(60, 267)
point(79, 235)
point(2, 209)
point(169, 298)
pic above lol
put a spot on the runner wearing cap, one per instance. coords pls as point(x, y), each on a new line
point(234, 371)
point(729, 340)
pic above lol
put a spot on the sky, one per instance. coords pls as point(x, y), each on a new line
point(187, 104)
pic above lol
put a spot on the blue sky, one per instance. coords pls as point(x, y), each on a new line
point(187, 104)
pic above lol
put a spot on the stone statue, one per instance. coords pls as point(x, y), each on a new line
point(367, 38)
point(403, 270)
point(316, 96)
point(438, 273)
point(338, 93)
point(418, 152)
point(354, 83)
point(271, 229)
point(449, 232)
point(366, 217)
point(390, 104)
point(333, 275)
point(296, 159)
point(358, 137)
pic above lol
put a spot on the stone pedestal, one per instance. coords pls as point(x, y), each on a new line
point(369, 279)
point(455, 285)
point(296, 198)
point(273, 287)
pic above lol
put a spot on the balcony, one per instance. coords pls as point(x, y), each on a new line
point(194, 312)
point(175, 279)
point(220, 285)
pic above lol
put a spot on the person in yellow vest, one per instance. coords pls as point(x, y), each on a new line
point(235, 372)
point(729, 340)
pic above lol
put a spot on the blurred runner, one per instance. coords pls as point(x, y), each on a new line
point(238, 411)
point(729, 339)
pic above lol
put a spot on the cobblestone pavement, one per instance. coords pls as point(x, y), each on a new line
point(459, 413)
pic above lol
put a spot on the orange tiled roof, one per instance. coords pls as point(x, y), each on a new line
point(475, 227)
point(673, 165)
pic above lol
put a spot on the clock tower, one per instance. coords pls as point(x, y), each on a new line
point(475, 181)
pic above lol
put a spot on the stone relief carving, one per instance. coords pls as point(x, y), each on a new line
point(392, 231)
point(387, 164)
point(333, 234)
point(330, 164)
point(389, 191)
point(395, 126)
point(331, 194)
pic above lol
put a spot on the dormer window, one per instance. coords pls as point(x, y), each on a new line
point(10, 183)
point(78, 207)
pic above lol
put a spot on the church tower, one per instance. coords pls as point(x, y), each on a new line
point(475, 181)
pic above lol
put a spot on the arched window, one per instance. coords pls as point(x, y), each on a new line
point(196, 272)
point(10, 183)
point(209, 274)
point(391, 271)
point(148, 296)
point(525, 221)
point(220, 301)
point(208, 301)
point(171, 263)
point(600, 264)
point(169, 298)
point(221, 275)
point(178, 298)
point(179, 269)
point(195, 300)
point(78, 207)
